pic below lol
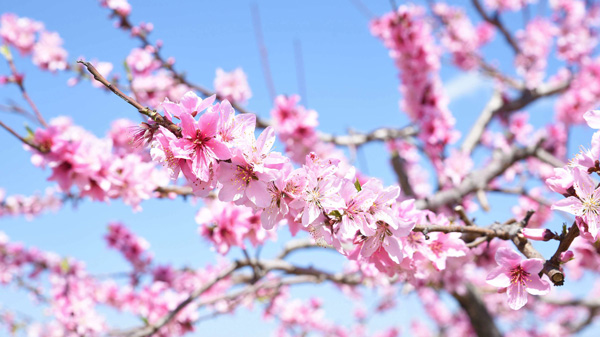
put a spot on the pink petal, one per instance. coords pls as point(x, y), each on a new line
point(172, 109)
point(532, 266)
point(592, 118)
point(188, 125)
point(190, 102)
point(257, 193)
point(498, 277)
point(208, 124)
point(537, 286)
point(311, 213)
point(370, 246)
point(583, 184)
point(517, 296)
point(507, 257)
point(570, 205)
point(392, 245)
point(220, 150)
point(265, 141)
point(208, 101)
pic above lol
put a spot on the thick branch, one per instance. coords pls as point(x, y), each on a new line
point(481, 319)
point(478, 179)
point(381, 134)
point(496, 105)
point(398, 164)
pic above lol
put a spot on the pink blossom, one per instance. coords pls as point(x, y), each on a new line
point(133, 248)
point(224, 224)
point(199, 146)
point(245, 178)
point(232, 86)
point(535, 43)
point(48, 53)
point(504, 5)
point(142, 62)
point(120, 6)
point(585, 205)
point(518, 276)
point(19, 32)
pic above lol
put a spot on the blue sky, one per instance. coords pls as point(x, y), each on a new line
point(350, 81)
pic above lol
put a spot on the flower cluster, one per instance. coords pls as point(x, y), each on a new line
point(133, 248)
point(535, 43)
point(101, 169)
point(218, 150)
point(151, 84)
point(460, 37)
point(29, 206)
point(296, 127)
point(232, 86)
point(408, 36)
point(226, 224)
point(48, 53)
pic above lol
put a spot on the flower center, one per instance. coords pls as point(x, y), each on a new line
point(519, 275)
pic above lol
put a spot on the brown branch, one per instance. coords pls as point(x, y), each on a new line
point(150, 330)
point(552, 266)
point(398, 164)
point(478, 179)
point(498, 23)
point(380, 134)
point(25, 141)
point(298, 244)
point(18, 79)
point(463, 216)
point(491, 232)
point(179, 190)
point(481, 319)
point(160, 120)
point(496, 105)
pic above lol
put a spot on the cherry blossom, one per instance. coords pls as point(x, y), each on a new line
point(518, 276)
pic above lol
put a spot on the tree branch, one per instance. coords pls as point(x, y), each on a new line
point(160, 120)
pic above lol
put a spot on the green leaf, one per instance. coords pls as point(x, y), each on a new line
point(64, 265)
point(6, 52)
point(335, 213)
point(357, 185)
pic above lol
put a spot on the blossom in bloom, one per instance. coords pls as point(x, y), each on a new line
point(19, 32)
point(199, 145)
point(251, 168)
point(518, 276)
point(232, 86)
point(585, 205)
point(48, 52)
point(142, 62)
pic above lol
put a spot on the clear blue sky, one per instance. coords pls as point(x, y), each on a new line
point(350, 81)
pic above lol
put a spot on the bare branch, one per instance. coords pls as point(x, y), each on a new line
point(481, 319)
point(381, 134)
point(25, 141)
point(496, 22)
point(478, 179)
point(160, 120)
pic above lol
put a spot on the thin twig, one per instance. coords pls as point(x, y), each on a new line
point(155, 116)
point(264, 57)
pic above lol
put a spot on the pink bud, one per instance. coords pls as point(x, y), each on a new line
point(538, 234)
point(566, 256)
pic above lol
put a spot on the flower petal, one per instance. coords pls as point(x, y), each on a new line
point(517, 296)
